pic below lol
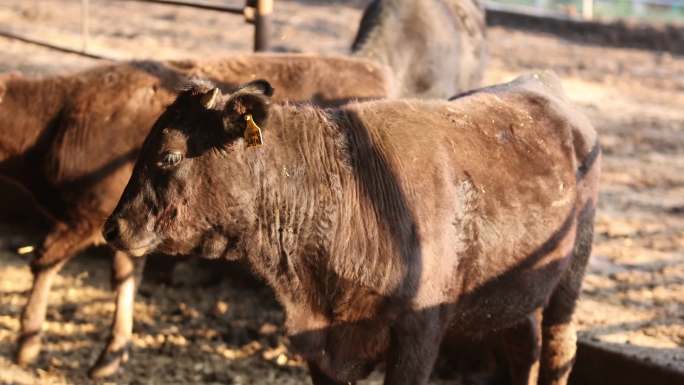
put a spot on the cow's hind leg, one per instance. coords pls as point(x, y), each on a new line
point(126, 277)
point(59, 246)
point(558, 330)
point(522, 345)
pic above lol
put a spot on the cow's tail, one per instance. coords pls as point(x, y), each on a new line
point(587, 164)
point(559, 336)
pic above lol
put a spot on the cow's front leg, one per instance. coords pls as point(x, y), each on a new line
point(320, 378)
point(126, 277)
point(60, 245)
point(414, 345)
point(33, 315)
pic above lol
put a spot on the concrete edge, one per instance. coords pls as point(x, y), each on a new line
point(597, 363)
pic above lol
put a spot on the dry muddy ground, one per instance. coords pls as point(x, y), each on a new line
point(202, 332)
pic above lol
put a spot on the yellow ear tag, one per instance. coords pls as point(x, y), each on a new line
point(252, 133)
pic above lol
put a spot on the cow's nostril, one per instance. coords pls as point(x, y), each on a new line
point(111, 232)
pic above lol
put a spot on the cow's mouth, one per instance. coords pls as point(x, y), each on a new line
point(135, 247)
point(139, 251)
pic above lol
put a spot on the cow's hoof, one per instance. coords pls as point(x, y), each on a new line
point(28, 349)
point(109, 362)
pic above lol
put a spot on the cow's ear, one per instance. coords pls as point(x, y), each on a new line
point(246, 110)
point(259, 86)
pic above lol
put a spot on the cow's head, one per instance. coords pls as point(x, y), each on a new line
point(190, 192)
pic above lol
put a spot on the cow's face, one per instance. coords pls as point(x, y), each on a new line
point(190, 192)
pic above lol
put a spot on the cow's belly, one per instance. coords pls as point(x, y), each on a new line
point(508, 304)
point(501, 300)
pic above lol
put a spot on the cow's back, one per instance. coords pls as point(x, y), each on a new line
point(322, 80)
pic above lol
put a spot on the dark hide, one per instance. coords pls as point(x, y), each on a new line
point(436, 48)
point(71, 141)
point(384, 226)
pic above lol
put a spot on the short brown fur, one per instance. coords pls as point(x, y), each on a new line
point(72, 140)
point(384, 226)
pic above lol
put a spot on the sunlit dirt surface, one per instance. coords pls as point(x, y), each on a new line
point(191, 331)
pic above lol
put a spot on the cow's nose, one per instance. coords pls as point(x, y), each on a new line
point(111, 231)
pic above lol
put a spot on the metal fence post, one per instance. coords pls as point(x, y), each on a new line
point(262, 24)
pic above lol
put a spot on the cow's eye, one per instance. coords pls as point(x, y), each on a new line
point(170, 159)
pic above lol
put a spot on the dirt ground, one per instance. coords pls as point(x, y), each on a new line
point(194, 331)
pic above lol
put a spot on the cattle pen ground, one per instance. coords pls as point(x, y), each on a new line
point(192, 329)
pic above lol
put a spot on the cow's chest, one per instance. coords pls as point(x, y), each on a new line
point(345, 346)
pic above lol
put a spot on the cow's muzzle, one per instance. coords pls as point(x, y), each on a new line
point(118, 234)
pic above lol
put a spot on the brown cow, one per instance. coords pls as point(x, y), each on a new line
point(72, 140)
point(436, 48)
point(383, 226)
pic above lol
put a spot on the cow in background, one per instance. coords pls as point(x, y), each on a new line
point(435, 48)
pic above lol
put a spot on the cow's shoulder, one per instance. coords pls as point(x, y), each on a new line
point(105, 116)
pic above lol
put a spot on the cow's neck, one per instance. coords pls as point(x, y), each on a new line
point(28, 110)
point(299, 178)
